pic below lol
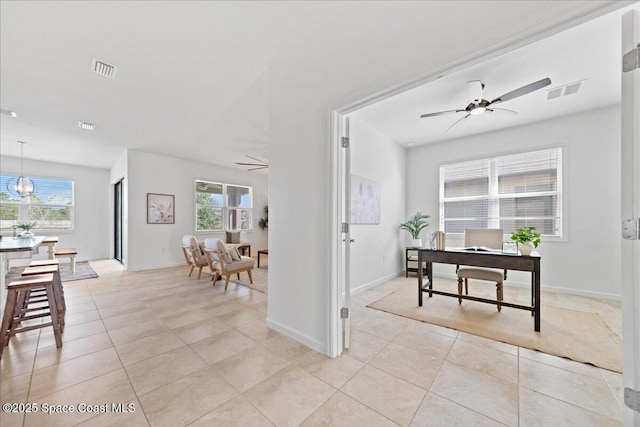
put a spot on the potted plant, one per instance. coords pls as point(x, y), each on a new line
point(26, 229)
point(526, 237)
point(414, 226)
point(264, 222)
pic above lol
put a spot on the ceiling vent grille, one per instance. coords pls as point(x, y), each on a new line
point(572, 88)
point(103, 68)
point(566, 90)
point(554, 93)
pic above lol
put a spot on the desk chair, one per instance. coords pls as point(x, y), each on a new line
point(491, 238)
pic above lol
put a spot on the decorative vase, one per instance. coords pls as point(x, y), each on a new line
point(27, 233)
point(416, 243)
point(525, 248)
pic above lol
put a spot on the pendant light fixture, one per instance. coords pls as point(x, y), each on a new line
point(24, 185)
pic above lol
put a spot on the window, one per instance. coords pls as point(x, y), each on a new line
point(223, 206)
point(50, 207)
point(505, 192)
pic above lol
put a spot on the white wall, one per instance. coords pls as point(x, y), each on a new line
point(587, 262)
point(377, 253)
point(158, 245)
point(91, 196)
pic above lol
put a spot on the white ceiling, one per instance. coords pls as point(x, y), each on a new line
point(589, 52)
point(193, 78)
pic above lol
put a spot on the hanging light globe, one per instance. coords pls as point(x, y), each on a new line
point(24, 186)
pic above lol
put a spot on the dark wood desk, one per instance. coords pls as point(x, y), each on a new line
point(483, 259)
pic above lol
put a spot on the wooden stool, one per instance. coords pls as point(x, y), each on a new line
point(68, 252)
point(10, 321)
point(58, 290)
point(40, 263)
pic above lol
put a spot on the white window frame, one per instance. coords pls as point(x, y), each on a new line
point(24, 204)
point(226, 210)
point(493, 219)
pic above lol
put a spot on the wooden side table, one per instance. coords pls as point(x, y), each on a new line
point(408, 257)
point(262, 252)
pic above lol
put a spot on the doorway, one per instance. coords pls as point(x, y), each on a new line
point(117, 221)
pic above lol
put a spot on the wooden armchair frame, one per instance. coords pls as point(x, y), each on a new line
point(222, 270)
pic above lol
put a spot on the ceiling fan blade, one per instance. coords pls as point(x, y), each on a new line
point(523, 90)
point(251, 164)
point(502, 111)
point(440, 113)
point(257, 160)
point(458, 121)
point(255, 169)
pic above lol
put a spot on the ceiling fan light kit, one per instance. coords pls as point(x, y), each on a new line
point(479, 105)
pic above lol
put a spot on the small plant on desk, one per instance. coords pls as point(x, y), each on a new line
point(525, 237)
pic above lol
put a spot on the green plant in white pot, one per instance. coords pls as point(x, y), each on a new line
point(414, 226)
point(26, 229)
point(527, 239)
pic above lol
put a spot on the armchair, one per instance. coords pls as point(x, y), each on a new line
point(491, 238)
point(225, 261)
point(193, 254)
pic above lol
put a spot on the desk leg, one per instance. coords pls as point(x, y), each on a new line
point(536, 316)
point(430, 276)
point(420, 272)
point(51, 251)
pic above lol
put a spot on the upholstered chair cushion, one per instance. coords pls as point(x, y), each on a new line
point(241, 265)
point(233, 251)
point(481, 274)
point(211, 244)
point(223, 251)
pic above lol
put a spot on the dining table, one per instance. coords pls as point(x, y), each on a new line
point(14, 245)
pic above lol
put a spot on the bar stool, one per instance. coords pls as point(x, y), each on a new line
point(36, 295)
point(41, 262)
point(10, 322)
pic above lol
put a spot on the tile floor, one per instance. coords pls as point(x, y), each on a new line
point(180, 352)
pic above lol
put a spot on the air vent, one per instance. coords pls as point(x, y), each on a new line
point(103, 68)
point(86, 126)
point(554, 93)
point(568, 89)
point(572, 88)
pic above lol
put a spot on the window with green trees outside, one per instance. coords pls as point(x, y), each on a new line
point(50, 207)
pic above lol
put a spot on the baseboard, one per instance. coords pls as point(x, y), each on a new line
point(376, 282)
point(302, 338)
point(568, 291)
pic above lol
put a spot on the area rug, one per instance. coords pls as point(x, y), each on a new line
point(83, 271)
point(259, 276)
point(576, 335)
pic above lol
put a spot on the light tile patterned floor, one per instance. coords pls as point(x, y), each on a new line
point(182, 352)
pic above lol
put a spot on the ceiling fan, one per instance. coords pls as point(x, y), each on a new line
point(479, 105)
point(260, 165)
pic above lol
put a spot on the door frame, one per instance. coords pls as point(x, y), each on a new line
point(336, 116)
point(118, 212)
point(630, 208)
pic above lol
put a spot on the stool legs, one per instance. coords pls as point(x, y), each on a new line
point(13, 313)
point(7, 318)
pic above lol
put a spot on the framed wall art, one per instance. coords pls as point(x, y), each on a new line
point(160, 208)
point(365, 201)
